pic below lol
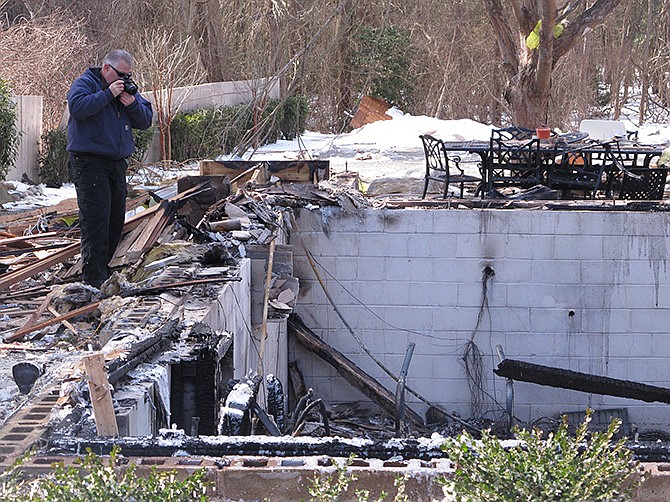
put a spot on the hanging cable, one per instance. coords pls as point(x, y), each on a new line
point(363, 347)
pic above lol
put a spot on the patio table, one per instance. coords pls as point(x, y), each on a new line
point(620, 155)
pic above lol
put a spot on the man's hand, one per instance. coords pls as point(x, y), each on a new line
point(126, 99)
point(116, 87)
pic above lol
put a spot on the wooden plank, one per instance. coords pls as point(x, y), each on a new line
point(152, 229)
point(266, 301)
point(237, 171)
point(20, 274)
point(38, 313)
point(101, 395)
point(299, 171)
point(68, 315)
point(65, 322)
point(120, 257)
point(370, 110)
point(16, 241)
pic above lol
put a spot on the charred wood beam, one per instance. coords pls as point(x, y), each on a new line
point(585, 382)
point(377, 393)
point(266, 446)
point(142, 351)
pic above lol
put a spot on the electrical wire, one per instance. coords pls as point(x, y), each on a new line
point(379, 318)
point(365, 349)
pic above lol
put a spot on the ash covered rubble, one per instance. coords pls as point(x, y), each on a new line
point(147, 316)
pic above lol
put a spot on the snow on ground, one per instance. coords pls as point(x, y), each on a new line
point(387, 148)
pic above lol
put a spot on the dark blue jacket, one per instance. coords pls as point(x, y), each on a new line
point(99, 123)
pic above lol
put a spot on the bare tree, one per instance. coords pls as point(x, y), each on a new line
point(529, 71)
point(42, 56)
point(168, 63)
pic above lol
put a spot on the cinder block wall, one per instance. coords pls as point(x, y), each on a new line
point(581, 290)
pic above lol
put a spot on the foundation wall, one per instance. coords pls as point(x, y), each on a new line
point(582, 290)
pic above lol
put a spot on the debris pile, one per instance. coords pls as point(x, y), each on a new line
point(175, 252)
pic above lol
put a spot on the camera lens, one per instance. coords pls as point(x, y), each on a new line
point(129, 86)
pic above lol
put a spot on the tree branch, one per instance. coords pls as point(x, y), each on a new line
point(585, 22)
point(503, 34)
point(545, 59)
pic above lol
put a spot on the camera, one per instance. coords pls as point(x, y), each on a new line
point(129, 86)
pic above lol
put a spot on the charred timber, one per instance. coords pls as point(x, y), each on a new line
point(376, 392)
point(143, 351)
point(218, 446)
point(585, 382)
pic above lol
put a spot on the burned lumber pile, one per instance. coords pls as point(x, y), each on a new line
point(174, 252)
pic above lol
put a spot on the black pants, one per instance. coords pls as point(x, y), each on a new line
point(101, 197)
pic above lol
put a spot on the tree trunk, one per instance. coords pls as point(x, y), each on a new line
point(528, 107)
point(645, 64)
point(530, 70)
point(345, 23)
point(204, 33)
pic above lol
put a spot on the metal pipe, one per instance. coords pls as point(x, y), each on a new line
point(509, 392)
point(400, 389)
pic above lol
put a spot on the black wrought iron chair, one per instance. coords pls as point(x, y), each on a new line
point(643, 184)
point(512, 132)
point(439, 167)
point(513, 162)
point(572, 170)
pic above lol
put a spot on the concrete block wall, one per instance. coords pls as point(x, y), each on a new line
point(232, 313)
point(581, 290)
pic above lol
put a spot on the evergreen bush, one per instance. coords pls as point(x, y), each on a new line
point(561, 467)
point(9, 136)
point(209, 132)
point(143, 139)
point(382, 59)
point(53, 158)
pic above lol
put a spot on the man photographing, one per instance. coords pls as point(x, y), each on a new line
point(104, 108)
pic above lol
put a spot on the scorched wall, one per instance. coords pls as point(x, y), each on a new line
point(581, 290)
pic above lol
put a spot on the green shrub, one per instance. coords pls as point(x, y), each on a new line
point(93, 480)
point(9, 136)
point(561, 467)
point(209, 132)
point(291, 121)
point(382, 61)
point(53, 158)
point(143, 139)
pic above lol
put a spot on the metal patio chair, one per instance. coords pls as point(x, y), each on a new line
point(513, 163)
point(643, 184)
point(572, 170)
point(439, 167)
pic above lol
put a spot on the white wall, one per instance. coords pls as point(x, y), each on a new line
point(420, 271)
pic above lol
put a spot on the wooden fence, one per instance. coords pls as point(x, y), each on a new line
point(29, 123)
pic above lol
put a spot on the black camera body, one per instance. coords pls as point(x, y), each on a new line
point(129, 86)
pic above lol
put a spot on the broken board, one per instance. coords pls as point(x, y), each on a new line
point(296, 171)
